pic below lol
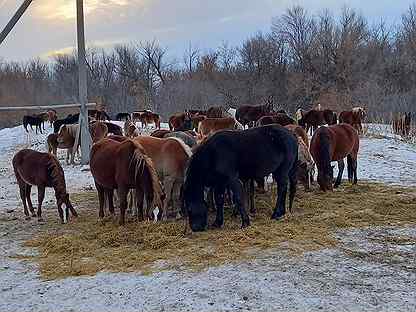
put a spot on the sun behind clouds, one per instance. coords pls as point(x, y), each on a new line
point(66, 9)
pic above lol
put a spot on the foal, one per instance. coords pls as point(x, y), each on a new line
point(43, 170)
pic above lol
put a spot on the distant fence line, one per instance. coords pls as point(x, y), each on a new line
point(10, 109)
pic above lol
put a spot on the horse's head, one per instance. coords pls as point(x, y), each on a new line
point(306, 164)
point(64, 200)
point(326, 178)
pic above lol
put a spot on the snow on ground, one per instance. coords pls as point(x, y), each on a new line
point(326, 280)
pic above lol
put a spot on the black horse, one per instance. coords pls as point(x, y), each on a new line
point(70, 119)
point(229, 157)
point(123, 116)
point(35, 120)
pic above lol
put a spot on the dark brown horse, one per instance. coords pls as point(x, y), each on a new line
point(147, 118)
point(180, 122)
point(43, 170)
point(334, 143)
point(129, 168)
point(280, 119)
point(248, 114)
point(315, 118)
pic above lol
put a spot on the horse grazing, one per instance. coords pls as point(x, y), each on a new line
point(306, 165)
point(170, 157)
point(229, 157)
point(35, 120)
point(98, 131)
point(123, 116)
point(43, 170)
point(315, 118)
point(248, 114)
point(180, 122)
point(129, 168)
point(353, 118)
point(334, 143)
point(211, 125)
point(280, 119)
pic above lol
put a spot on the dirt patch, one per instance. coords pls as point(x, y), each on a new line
point(86, 246)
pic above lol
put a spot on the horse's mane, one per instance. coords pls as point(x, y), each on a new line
point(185, 147)
point(56, 175)
point(324, 158)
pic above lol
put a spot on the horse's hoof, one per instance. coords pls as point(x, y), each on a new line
point(217, 225)
point(277, 216)
point(245, 223)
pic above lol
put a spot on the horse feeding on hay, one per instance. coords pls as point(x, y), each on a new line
point(170, 158)
point(315, 118)
point(334, 143)
point(229, 157)
point(353, 118)
point(43, 170)
point(129, 168)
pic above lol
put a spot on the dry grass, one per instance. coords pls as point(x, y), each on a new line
point(85, 246)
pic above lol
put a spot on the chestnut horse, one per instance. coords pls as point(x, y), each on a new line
point(129, 168)
point(334, 143)
point(211, 125)
point(98, 131)
point(147, 117)
point(170, 157)
point(353, 117)
point(43, 170)
point(248, 114)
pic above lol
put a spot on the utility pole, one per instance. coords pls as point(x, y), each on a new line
point(82, 86)
point(20, 11)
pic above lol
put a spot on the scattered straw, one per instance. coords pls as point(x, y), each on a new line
point(86, 246)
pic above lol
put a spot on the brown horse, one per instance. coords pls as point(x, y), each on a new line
point(334, 143)
point(170, 157)
point(249, 114)
point(52, 116)
point(215, 112)
point(53, 145)
point(180, 122)
point(211, 125)
point(43, 170)
point(280, 119)
point(353, 117)
point(129, 168)
point(315, 118)
point(67, 136)
point(149, 117)
point(98, 131)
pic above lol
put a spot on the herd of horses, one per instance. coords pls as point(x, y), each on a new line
point(188, 169)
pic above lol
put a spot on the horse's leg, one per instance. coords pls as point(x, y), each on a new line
point(110, 197)
point(281, 181)
point(293, 181)
point(341, 167)
point(22, 189)
point(350, 168)
point(210, 199)
point(139, 204)
point(41, 196)
point(29, 200)
point(122, 197)
point(251, 196)
point(176, 198)
point(354, 169)
point(219, 202)
point(169, 183)
point(237, 188)
point(100, 191)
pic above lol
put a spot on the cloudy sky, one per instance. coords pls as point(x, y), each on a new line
point(49, 25)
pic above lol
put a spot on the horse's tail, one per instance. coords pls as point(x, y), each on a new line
point(145, 173)
point(324, 146)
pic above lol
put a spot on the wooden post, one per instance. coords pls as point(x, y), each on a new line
point(20, 11)
point(82, 85)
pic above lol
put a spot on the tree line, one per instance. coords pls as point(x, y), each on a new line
point(339, 61)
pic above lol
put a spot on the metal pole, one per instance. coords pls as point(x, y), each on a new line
point(82, 85)
point(20, 11)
